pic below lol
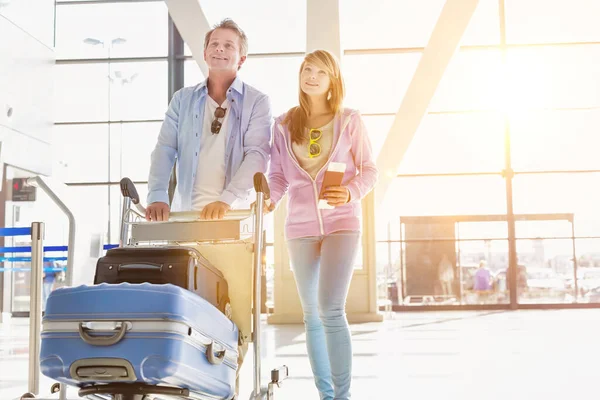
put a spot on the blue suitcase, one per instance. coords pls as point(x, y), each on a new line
point(143, 333)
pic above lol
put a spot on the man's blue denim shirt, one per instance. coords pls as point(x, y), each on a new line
point(247, 148)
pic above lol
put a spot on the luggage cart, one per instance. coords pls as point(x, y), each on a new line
point(240, 229)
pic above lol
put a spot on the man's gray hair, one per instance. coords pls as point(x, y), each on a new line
point(229, 24)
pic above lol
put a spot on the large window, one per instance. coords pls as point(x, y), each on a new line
point(456, 195)
point(272, 26)
point(81, 153)
point(552, 21)
point(537, 87)
point(562, 193)
point(408, 24)
point(456, 143)
point(111, 93)
point(87, 31)
point(370, 94)
point(556, 140)
point(554, 76)
point(102, 91)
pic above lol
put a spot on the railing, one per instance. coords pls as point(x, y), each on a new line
point(27, 249)
point(37, 259)
point(42, 184)
point(36, 232)
point(37, 250)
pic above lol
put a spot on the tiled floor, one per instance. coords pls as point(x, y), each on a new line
point(435, 355)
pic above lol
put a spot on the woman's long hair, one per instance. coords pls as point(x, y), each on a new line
point(297, 116)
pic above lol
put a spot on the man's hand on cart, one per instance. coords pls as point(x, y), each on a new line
point(215, 210)
point(157, 211)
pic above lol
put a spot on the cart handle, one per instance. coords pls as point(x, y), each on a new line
point(128, 190)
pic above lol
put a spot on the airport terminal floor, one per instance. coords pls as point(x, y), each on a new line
point(525, 354)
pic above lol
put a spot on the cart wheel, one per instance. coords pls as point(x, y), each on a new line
point(28, 396)
point(55, 388)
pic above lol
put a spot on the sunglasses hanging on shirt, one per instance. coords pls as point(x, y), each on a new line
point(215, 127)
point(314, 148)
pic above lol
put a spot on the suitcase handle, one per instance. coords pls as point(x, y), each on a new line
point(141, 266)
point(210, 355)
point(102, 340)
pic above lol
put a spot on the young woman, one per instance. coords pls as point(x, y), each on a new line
point(323, 223)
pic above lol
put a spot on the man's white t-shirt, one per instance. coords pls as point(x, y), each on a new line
point(210, 174)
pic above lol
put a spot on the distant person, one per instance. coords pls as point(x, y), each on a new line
point(482, 281)
point(446, 275)
point(521, 279)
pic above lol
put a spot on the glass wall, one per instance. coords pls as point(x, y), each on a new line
point(525, 70)
point(111, 93)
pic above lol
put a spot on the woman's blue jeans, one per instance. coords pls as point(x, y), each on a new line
point(323, 267)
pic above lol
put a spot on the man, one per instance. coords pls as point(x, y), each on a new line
point(219, 132)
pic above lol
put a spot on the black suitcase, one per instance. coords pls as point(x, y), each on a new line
point(181, 266)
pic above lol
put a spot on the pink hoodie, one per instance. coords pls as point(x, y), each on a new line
point(351, 146)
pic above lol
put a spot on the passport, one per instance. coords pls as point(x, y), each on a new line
point(333, 177)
